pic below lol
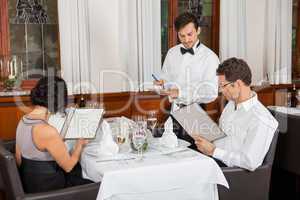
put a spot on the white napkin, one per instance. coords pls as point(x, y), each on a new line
point(103, 145)
point(169, 139)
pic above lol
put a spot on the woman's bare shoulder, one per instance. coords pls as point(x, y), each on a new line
point(44, 131)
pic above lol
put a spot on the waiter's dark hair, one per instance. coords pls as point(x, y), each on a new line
point(234, 69)
point(50, 92)
point(184, 19)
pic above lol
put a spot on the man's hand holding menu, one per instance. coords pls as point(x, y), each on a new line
point(196, 122)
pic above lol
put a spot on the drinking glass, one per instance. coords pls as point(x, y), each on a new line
point(140, 121)
point(138, 140)
point(94, 104)
point(152, 120)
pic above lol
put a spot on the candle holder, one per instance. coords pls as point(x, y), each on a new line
point(10, 83)
point(11, 69)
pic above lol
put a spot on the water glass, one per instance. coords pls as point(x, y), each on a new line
point(152, 120)
point(139, 137)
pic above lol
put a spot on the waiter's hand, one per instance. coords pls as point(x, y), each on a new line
point(160, 82)
point(173, 92)
point(204, 145)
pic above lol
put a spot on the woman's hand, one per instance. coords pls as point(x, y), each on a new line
point(82, 142)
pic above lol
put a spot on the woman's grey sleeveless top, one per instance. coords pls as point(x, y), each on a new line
point(25, 142)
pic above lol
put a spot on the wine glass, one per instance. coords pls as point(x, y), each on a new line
point(122, 132)
point(94, 105)
point(140, 121)
point(152, 120)
point(138, 140)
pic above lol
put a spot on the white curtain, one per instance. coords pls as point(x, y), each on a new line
point(109, 46)
point(74, 45)
point(278, 41)
point(141, 40)
point(233, 29)
point(258, 31)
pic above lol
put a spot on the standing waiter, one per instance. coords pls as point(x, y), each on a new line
point(189, 70)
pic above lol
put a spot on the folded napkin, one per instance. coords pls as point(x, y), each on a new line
point(103, 144)
point(169, 139)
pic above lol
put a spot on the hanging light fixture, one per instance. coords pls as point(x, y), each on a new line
point(30, 12)
point(196, 7)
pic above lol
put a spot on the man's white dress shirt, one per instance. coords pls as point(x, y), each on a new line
point(250, 129)
point(194, 75)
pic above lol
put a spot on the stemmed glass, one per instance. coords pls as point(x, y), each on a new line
point(152, 120)
point(94, 104)
point(122, 134)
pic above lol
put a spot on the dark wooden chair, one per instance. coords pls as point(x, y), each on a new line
point(11, 184)
point(248, 185)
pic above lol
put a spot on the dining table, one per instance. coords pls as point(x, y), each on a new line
point(161, 173)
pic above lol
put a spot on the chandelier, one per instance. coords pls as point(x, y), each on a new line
point(30, 12)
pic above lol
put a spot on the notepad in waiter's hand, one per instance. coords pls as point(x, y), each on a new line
point(78, 123)
point(196, 121)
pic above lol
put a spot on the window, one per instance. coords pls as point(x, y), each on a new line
point(208, 13)
point(164, 28)
point(296, 41)
point(31, 41)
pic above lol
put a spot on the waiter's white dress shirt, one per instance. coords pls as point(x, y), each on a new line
point(194, 75)
point(250, 128)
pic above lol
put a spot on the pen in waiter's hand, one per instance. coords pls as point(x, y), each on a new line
point(160, 81)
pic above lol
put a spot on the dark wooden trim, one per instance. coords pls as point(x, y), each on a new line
point(215, 26)
point(296, 52)
point(4, 29)
point(173, 13)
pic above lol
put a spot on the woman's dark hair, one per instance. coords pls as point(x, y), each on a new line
point(50, 92)
point(184, 19)
point(234, 69)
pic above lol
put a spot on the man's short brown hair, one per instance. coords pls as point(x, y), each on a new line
point(234, 69)
point(184, 19)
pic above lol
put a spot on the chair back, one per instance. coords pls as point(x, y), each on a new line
point(9, 172)
point(13, 188)
point(269, 158)
point(240, 180)
point(288, 143)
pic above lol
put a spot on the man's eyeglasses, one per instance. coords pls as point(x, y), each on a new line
point(223, 86)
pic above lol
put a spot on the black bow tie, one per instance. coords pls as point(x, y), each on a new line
point(190, 50)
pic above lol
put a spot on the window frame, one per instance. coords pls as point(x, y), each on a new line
point(5, 48)
point(296, 51)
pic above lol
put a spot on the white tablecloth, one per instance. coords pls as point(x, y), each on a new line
point(186, 174)
point(285, 110)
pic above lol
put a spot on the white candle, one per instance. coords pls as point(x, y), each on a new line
point(11, 70)
point(21, 68)
point(1, 68)
point(7, 70)
point(15, 67)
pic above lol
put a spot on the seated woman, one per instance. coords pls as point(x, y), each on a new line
point(44, 161)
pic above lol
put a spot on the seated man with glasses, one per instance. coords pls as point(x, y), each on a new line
point(249, 126)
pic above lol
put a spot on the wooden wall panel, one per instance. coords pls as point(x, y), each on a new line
point(266, 96)
point(145, 102)
point(127, 104)
point(10, 117)
point(4, 29)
